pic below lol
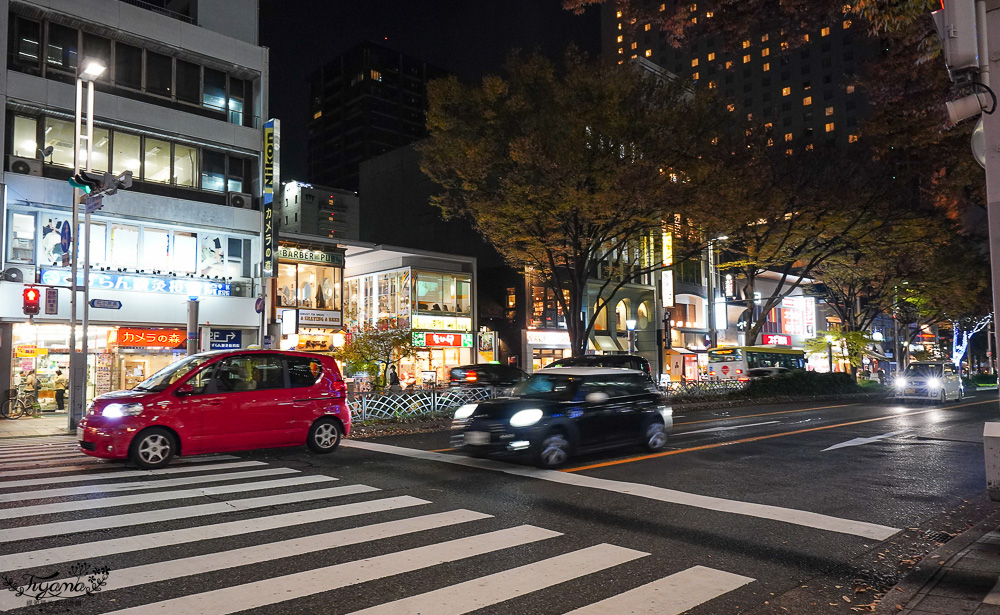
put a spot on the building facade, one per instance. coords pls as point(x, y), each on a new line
point(311, 209)
point(180, 105)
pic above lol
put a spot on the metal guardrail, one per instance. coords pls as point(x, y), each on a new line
point(160, 10)
point(407, 404)
point(708, 388)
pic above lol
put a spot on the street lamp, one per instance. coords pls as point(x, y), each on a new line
point(630, 325)
point(713, 333)
point(88, 70)
point(829, 351)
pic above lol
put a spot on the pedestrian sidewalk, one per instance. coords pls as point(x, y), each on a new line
point(961, 577)
point(49, 424)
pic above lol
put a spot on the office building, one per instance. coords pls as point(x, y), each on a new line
point(311, 209)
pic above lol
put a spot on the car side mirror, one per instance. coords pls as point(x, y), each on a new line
point(184, 390)
point(597, 397)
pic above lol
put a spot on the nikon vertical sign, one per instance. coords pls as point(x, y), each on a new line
point(271, 184)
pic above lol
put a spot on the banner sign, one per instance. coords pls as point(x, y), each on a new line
point(450, 340)
point(547, 338)
point(778, 340)
point(139, 283)
point(225, 339)
point(310, 256)
point(319, 319)
point(272, 178)
point(163, 338)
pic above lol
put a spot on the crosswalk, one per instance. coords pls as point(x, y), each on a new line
point(221, 534)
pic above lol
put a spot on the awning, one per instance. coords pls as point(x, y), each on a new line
point(681, 351)
point(606, 343)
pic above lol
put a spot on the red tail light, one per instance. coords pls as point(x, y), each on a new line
point(739, 371)
point(339, 388)
point(471, 376)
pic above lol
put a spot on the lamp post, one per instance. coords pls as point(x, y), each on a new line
point(829, 351)
point(630, 325)
point(88, 71)
point(713, 333)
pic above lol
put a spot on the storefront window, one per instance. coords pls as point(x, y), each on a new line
point(59, 134)
point(185, 252)
point(386, 295)
point(447, 293)
point(52, 252)
point(286, 285)
point(185, 166)
point(621, 315)
point(155, 247)
point(25, 132)
point(124, 246)
point(21, 247)
point(98, 244)
point(642, 315)
point(429, 292)
point(126, 154)
point(463, 303)
point(156, 161)
point(238, 258)
point(211, 256)
point(352, 300)
point(404, 297)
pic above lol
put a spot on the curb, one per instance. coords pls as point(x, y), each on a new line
point(932, 567)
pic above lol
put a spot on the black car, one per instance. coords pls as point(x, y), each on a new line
point(560, 412)
point(626, 361)
point(486, 374)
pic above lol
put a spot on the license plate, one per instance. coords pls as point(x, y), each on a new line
point(79, 433)
point(477, 438)
point(909, 391)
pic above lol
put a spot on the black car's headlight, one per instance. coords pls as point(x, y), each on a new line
point(465, 411)
point(524, 418)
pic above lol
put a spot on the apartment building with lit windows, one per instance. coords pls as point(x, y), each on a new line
point(181, 105)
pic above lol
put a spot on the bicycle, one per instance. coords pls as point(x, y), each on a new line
point(16, 407)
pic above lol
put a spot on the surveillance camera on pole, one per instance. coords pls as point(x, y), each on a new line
point(956, 28)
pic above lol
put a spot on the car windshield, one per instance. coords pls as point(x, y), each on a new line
point(171, 373)
point(549, 386)
point(923, 371)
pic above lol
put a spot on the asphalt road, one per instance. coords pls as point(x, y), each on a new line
point(744, 507)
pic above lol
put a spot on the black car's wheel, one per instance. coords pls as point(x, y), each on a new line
point(324, 436)
point(554, 450)
point(655, 436)
point(152, 448)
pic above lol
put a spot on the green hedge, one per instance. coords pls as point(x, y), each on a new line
point(802, 383)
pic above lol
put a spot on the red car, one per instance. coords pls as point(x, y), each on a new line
point(221, 401)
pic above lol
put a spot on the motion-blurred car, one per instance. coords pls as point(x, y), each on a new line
point(221, 401)
point(929, 381)
point(486, 374)
point(768, 372)
point(626, 361)
point(563, 411)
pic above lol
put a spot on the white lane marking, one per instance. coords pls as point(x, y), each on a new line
point(155, 540)
point(54, 456)
point(128, 500)
point(39, 452)
point(686, 433)
point(670, 595)
point(140, 485)
point(509, 584)
point(172, 514)
point(79, 478)
point(280, 589)
point(994, 596)
point(92, 463)
point(268, 552)
point(863, 441)
point(23, 448)
point(763, 511)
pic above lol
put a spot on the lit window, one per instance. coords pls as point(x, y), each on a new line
point(694, 20)
point(765, 52)
point(695, 76)
point(767, 66)
point(621, 61)
point(694, 62)
point(620, 38)
point(711, 85)
point(746, 44)
point(317, 115)
point(694, 7)
point(749, 117)
point(715, 140)
point(25, 132)
point(852, 139)
point(709, 14)
point(808, 100)
point(749, 132)
point(746, 58)
point(634, 56)
point(825, 32)
point(829, 110)
point(663, 7)
point(809, 147)
point(620, 50)
point(829, 127)
point(789, 152)
point(619, 26)
point(788, 136)
point(764, 38)
point(847, 23)
point(786, 91)
point(634, 45)
point(770, 142)
point(647, 27)
point(618, 14)
point(729, 64)
point(731, 107)
point(649, 52)
point(376, 75)
point(711, 56)
point(784, 45)
point(850, 89)
point(805, 37)
point(632, 21)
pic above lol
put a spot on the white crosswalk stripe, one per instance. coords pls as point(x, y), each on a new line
point(253, 550)
point(91, 463)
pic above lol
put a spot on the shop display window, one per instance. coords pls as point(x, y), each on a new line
point(319, 287)
point(98, 244)
point(443, 293)
point(185, 256)
point(25, 134)
point(124, 246)
point(239, 258)
point(286, 285)
point(21, 247)
point(155, 247)
point(211, 256)
point(51, 247)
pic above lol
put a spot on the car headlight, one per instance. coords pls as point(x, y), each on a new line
point(934, 383)
point(465, 411)
point(527, 417)
point(119, 410)
point(900, 382)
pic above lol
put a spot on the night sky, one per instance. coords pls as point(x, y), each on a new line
point(468, 37)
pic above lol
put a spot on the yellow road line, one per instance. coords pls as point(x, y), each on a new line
point(767, 437)
point(441, 450)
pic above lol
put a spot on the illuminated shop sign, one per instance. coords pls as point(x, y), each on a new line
point(446, 323)
point(162, 338)
point(451, 340)
point(318, 319)
point(139, 283)
point(310, 256)
point(548, 338)
point(770, 338)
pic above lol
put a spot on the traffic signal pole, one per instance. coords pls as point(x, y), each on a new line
point(77, 372)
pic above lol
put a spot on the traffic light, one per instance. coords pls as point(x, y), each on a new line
point(87, 181)
point(31, 300)
point(956, 28)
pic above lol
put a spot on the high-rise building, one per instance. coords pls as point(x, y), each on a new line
point(801, 90)
point(364, 103)
point(310, 209)
point(180, 105)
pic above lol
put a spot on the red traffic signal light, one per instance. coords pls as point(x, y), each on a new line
point(31, 300)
